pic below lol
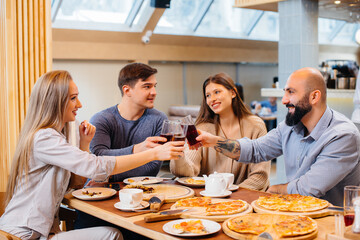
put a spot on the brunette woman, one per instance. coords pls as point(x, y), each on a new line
point(223, 113)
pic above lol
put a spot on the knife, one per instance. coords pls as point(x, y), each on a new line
point(164, 215)
point(335, 208)
point(264, 236)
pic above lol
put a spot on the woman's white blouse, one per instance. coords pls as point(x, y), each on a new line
point(37, 198)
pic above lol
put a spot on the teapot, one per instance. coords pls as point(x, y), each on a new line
point(215, 184)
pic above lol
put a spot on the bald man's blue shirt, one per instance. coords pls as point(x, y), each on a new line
point(319, 164)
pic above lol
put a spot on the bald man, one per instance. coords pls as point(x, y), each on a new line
point(321, 147)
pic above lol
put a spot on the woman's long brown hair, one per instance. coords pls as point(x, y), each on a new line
point(206, 115)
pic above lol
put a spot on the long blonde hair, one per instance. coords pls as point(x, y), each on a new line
point(46, 109)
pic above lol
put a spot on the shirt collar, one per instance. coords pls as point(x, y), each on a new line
point(319, 128)
point(322, 124)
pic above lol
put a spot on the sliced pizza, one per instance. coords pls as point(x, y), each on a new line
point(195, 181)
point(291, 203)
point(191, 226)
point(226, 207)
point(282, 225)
point(193, 202)
point(247, 224)
point(290, 226)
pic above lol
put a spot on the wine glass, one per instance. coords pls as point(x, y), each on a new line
point(179, 131)
point(167, 131)
point(191, 132)
point(350, 194)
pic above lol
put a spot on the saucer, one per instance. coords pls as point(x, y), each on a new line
point(142, 205)
point(225, 194)
point(233, 187)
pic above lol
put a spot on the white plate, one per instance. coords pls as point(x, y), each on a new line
point(210, 226)
point(233, 187)
point(183, 181)
point(104, 193)
point(225, 194)
point(124, 208)
point(140, 180)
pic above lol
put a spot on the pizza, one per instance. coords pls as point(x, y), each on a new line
point(226, 207)
point(193, 202)
point(281, 225)
point(291, 203)
point(212, 207)
point(195, 181)
point(290, 226)
point(144, 188)
point(191, 226)
point(247, 224)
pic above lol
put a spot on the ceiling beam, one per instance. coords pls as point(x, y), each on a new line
point(339, 25)
point(201, 14)
point(154, 19)
point(253, 22)
point(133, 12)
point(56, 4)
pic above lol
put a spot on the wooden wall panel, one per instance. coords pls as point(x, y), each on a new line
point(25, 54)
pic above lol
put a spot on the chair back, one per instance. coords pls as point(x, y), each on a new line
point(8, 236)
point(5, 235)
point(2, 202)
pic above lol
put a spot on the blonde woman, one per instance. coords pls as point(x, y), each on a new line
point(223, 113)
point(44, 162)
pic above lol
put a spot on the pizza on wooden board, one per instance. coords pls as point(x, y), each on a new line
point(213, 208)
point(193, 202)
point(283, 225)
point(226, 207)
point(291, 203)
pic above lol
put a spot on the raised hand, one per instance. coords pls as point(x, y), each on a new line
point(149, 142)
point(171, 150)
point(207, 139)
point(87, 132)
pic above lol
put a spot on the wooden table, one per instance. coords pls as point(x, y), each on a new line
point(105, 210)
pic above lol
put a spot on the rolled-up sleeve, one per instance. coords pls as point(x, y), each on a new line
point(261, 149)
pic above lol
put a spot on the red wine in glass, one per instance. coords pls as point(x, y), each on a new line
point(179, 137)
point(191, 135)
point(169, 137)
point(349, 219)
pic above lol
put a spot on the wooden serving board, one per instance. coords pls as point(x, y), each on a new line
point(199, 212)
point(314, 214)
point(264, 219)
point(171, 192)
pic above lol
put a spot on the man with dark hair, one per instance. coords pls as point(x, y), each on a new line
point(133, 125)
point(321, 147)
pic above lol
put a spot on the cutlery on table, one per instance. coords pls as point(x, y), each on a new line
point(264, 236)
point(164, 215)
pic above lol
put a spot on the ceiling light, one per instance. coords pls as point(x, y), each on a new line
point(337, 2)
point(357, 36)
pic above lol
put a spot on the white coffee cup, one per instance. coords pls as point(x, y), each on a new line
point(131, 197)
point(229, 178)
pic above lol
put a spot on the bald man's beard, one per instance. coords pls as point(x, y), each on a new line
point(301, 109)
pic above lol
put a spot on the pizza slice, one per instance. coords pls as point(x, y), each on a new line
point(192, 226)
point(247, 224)
point(290, 226)
point(193, 202)
point(226, 207)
